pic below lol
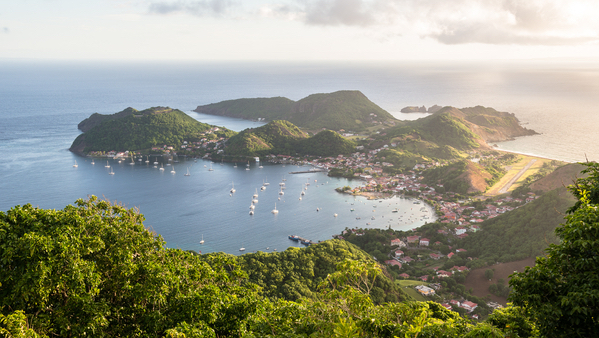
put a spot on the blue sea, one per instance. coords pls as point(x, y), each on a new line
point(41, 103)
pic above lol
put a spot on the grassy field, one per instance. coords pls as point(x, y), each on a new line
point(408, 287)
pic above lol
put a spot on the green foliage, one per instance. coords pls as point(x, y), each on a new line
point(283, 138)
point(513, 321)
point(452, 176)
point(562, 290)
point(349, 110)
point(93, 269)
point(156, 126)
point(14, 325)
point(489, 273)
point(521, 233)
point(296, 273)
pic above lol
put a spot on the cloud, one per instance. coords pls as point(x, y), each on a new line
point(194, 7)
point(531, 22)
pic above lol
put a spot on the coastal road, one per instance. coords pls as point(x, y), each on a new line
point(508, 185)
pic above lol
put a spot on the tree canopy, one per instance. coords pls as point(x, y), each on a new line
point(561, 291)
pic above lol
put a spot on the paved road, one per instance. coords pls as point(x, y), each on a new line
point(508, 185)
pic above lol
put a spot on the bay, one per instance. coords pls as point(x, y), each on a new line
point(41, 104)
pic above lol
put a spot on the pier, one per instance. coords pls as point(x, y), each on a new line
point(302, 240)
point(309, 171)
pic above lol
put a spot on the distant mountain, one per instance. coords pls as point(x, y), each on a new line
point(283, 137)
point(131, 129)
point(348, 110)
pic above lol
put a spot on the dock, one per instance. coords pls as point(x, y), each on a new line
point(309, 171)
point(302, 240)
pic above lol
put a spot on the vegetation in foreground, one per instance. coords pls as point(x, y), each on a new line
point(93, 269)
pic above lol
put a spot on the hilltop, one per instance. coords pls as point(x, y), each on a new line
point(131, 129)
point(283, 137)
point(348, 110)
point(451, 135)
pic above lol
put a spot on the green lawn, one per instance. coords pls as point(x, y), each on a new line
point(408, 286)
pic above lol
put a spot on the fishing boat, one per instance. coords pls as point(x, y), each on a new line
point(294, 238)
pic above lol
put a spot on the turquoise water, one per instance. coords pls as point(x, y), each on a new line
point(42, 103)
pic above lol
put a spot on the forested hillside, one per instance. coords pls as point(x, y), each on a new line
point(92, 269)
point(138, 130)
point(284, 138)
point(349, 110)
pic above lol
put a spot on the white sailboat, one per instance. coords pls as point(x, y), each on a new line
point(93, 162)
point(161, 167)
point(173, 171)
point(265, 182)
point(147, 159)
point(275, 211)
point(202, 241)
point(107, 165)
point(210, 167)
point(232, 191)
point(235, 166)
point(75, 165)
point(187, 174)
point(256, 193)
point(111, 172)
point(242, 248)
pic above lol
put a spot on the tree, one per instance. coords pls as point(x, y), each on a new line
point(561, 291)
point(93, 269)
point(489, 274)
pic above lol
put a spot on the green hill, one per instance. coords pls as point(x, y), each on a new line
point(283, 138)
point(349, 110)
point(137, 130)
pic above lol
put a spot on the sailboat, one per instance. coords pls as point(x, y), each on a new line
point(281, 192)
point(266, 182)
point(161, 167)
point(107, 165)
point(202, 241)
point(235, 166)
point(242, 248)
point(210, 167)
point(147, 159)
point(111, 172)
point(275, 211)
point(187, 174)
point(173, 171)
point(256, 193)
point(233, 188)
point(132, 163)
point(93, 162)
point(75, 165)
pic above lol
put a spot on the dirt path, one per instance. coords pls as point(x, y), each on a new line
point(508, 185)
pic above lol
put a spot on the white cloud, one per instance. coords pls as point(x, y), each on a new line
point(531, 22)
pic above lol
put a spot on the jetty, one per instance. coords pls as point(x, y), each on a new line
point(309, 171)
point(302, 240)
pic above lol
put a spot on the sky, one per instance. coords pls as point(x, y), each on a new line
point(298, 30)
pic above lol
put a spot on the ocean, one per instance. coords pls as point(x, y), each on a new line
point(41, 103)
